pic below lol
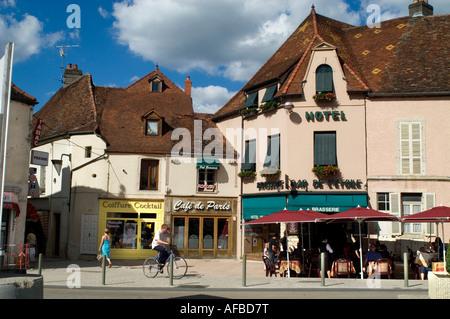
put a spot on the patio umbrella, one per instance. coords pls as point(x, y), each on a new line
point(359, 215)
point(438, 214)
point(289, 216)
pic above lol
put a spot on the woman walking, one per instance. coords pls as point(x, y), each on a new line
point(105, 246)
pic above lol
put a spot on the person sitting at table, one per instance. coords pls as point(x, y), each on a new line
point(370, 259)
point(274, 248)
point(423, 261)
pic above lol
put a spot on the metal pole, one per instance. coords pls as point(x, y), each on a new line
point(405, 268)
point(322, 269)
point(171, 270)
point(40, 264)
point(103, 269)
point(244, 270)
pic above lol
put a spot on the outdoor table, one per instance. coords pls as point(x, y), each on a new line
point(293, 264)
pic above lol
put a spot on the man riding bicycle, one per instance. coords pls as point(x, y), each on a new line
point(161, 239)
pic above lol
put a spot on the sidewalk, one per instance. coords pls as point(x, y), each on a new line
point(203, 273)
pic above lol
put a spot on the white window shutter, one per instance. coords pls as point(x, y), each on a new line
point(429, 202)
point(394, 199)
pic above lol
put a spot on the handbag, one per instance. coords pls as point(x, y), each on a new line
point(99, 257)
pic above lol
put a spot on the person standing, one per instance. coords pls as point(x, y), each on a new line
point(105, 246)
point(273, 248)
point(161, 240)
point(326, 249)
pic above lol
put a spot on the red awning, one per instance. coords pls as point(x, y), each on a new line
point(433, 215)
point(358, 214)
point(12, 206)
point(32, 212)
point(289, 216)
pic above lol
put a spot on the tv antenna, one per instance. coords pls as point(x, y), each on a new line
point(62, 54)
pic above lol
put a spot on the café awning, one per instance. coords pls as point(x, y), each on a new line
point(207, 163)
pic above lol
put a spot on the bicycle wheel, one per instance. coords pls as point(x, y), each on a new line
point(150, 267)
point(179, 267)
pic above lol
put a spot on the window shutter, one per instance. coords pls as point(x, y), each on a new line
point(325, 149)
point(252, 100)
point(411, 148)
point(270, 93)
point(429, 202)
point(324, 79)
point(273, 152)
point(394, 199)
point(249, 163)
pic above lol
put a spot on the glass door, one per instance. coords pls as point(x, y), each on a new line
point(193, 237)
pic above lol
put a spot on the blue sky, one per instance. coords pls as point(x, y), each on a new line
point(220, 44)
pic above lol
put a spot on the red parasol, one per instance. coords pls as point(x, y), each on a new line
point(289, 216)
point(358, 214)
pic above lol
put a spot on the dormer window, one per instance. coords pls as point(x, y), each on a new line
point(324, 79)
point(156, 85)
point(153, 124)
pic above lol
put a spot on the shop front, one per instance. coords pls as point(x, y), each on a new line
point(203, 227)
point(310, 234)
point(132, 225)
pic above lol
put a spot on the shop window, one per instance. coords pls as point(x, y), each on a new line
point(222, 233)
point(194, 230)
point(123, 233)
point(325, 149)
point(273, 152)
point(147, 233)
point(249, 163)
point(206, 180)
point(208, 233)
point(179, 232)
point(149, 174)
point(411, 148)
point(324, 79)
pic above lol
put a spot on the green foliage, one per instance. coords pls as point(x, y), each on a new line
point(323, 172)
point(247, 174)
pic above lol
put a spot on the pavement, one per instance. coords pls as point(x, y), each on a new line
point(204, 273)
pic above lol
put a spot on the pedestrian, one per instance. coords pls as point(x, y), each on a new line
point(273, 248)
point(327, 250)
point(105, 246)
point(161, 240)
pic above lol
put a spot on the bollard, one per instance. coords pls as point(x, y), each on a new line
point(322, 269)
point(103, 269)
point(244, 270)
point(171, 270)
point(405, 268)
point(40, 265)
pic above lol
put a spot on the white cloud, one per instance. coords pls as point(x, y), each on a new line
point(7, 3)
point(27, 35)
point(210, 99)
point(103, 12)
point(231, 38)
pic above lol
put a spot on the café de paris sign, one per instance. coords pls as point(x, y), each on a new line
point(187, 206)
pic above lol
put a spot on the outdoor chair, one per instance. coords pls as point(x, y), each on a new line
point(313, 265)
point(384, 267)
point(270, 267)
point(342, 267)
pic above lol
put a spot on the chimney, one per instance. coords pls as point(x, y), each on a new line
point(420, 8)
point(188, 86)
point(71, 74)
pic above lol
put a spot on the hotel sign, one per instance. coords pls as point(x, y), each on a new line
point(304, 184)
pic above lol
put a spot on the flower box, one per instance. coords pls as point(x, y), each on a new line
point(247, 174)
point(326, 97)
point(270, 172)
point(268, 106)
point(323, 172)
point(250, 111)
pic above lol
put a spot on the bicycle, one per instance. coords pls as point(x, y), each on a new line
point(152, 266)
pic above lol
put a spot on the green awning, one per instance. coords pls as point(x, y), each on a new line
point(259, 206)
point(207, 163)
point(252, 100)
point(326, 203)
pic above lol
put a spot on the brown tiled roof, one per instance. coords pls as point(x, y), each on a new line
point(404, 55)
point(21, 96)
point(118, 114)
